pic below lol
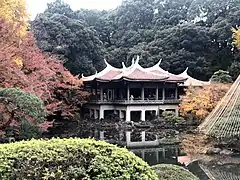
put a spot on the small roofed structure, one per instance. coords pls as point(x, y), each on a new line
point(129, 90)
point(192, 81)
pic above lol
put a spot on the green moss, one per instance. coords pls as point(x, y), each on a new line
point(173, 172)
point(71, 159)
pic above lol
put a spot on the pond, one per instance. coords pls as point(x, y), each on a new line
point(146, 145)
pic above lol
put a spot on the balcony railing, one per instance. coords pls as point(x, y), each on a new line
point(148, 101)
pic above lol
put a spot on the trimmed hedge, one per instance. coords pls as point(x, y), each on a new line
point(173, 172)
point(71, 159)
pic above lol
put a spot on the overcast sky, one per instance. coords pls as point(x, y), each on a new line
point(38, 6)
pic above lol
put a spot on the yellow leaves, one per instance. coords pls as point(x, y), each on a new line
point(199, 102)
point(236, 37)
point(18, 61)
point(15, 11)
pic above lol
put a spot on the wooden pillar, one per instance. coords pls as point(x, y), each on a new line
point(176, 154)
point(177, 112)
point(142, 93)
point(101, 135)
point(90, 113)
point(96, 94)
point(113, 94)
point(101, 113)
point(176, 93)
point(143, 134)
point(163, 93)
point(143, 115)
point(128, 92)
point(157, 93)
point(101, 94)
point(128, 115)
point(121, 115)
point(128, 137)
point(163, 153)
point(143, 154)
point(95, 114)
point(157, 156)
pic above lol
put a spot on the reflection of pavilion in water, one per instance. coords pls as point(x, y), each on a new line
point(144, 144)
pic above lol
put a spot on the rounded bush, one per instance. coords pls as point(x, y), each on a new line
point(70, 159)
point(173, 172)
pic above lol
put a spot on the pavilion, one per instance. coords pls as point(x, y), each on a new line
point(134, 93)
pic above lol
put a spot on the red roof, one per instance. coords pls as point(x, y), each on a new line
point(138, 74)
point(134, 73)
point(171, 77)
point(109, 75)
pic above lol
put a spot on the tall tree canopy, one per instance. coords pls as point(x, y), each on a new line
point(194, 33)
point(58, 30)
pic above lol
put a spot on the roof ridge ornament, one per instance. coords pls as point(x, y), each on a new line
point(105, 61)
point(133, 61)
point(186, 70)
point(158, 63)
point(123, 65)
point(109, 67)
point(137, 60)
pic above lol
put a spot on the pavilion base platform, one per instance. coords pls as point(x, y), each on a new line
point(129, 112)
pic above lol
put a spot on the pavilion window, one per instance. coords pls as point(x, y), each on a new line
point(101, 94)
point(150, 93)
point(119, 94)
point(123, 94)
point(105, 94)
point(110, 94)
point(170, 93)
point(160, 94)
point(135, 93)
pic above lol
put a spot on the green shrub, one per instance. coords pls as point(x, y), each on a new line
point(62, 159)
point(221, 77)
point(171, 117)
point(173, 172)
point(25, 113)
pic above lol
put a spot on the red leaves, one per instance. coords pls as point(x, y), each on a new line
point(44, 76)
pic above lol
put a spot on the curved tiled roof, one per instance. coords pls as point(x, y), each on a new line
point(136, 73)
point(191, 81)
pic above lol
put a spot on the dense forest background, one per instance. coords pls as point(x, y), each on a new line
point(183, 33)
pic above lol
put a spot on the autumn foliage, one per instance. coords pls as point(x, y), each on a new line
point(236, 37)
point(26, 113)
point(24, 66)
point(198, 102)
point(15, 12)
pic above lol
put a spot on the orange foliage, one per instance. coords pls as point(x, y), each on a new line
point(26, 67)
point(198, 102)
